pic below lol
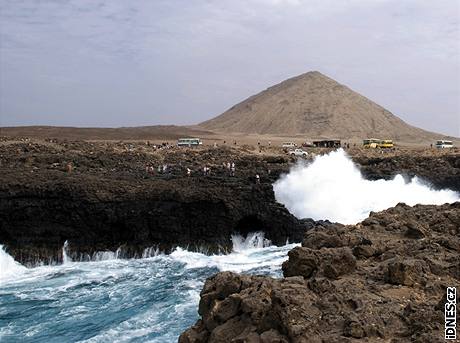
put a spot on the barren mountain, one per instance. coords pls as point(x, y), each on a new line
point(315, 105)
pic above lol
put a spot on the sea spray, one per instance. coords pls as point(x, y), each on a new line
point(65, 253)
point(9, 268)
point(252, 240)
point(332, 187)
point(151, 252)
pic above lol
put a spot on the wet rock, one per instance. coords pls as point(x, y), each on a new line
point(195, 334)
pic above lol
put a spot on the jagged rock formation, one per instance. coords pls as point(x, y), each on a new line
point(314, 105)
point(383, 279)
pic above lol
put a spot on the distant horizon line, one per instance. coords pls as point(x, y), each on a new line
point(190, 126)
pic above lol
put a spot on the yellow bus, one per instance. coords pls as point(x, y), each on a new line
point(386, 143)
point(378, 143)
point(371, 143)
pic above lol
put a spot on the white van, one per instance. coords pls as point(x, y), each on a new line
point(189, 142)
point(444, 144)
point(289, 145)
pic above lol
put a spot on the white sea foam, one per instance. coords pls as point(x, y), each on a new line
point(332, 187)
point(151, 299)
point(253, 251)
point(9, 268)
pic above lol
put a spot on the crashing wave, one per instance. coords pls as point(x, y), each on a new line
point(332, 187)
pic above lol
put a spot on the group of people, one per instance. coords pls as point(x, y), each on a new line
point(162, 169)
point(160, 146)
point(230, 168)
point(165, 169)
point(206, 171)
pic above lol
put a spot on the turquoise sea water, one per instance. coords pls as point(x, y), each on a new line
point(111, 300)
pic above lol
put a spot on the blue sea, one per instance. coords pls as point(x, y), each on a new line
point(151, 299)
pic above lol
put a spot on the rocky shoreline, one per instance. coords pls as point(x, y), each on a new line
point(383, 279)
point(113, 197)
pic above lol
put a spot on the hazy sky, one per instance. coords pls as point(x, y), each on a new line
point(127, 63)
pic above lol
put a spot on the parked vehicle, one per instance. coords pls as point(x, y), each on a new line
point(371, 143)
point(386, 143)
point(444, 144)
point(289, 145)
point(307, 144)
point(298, 152)
point(378, 143)
point(189, 142)
point(328, 143)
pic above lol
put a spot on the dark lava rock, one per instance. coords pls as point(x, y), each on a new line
point(110, 201)
point(374, 284)
point(438, 169)
point(405, 272)
point(103, 196)
point(330, 262)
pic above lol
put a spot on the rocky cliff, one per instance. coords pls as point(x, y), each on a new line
point(384, 279)
point(109, 200)
point(36, 220)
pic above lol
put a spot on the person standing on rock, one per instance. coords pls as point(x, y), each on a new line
point(69, 167)
point(189, 172)
point(257, 179)
point(232, 169)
